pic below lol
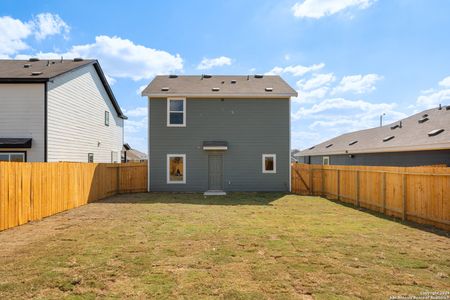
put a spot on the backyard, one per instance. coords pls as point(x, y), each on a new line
point(241, 246)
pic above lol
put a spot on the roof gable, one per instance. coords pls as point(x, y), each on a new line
point(36, 70)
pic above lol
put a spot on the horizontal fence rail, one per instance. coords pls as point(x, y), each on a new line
point(417, 194)
point(32, 191)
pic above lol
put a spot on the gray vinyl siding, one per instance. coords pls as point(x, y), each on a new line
point(401, 159)
point(22, 116)
point(251, 127)
point(77, 102)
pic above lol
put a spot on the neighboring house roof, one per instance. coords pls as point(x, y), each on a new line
point(213, 86)
point(35, 71)
point(427, 130)
point(133, 154)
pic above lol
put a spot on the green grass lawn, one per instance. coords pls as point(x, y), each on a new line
point(242, 246)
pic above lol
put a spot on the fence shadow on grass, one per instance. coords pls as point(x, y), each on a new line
point(424, 227)
point(261, 198)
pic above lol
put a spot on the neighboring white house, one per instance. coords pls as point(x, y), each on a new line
point(58, 110)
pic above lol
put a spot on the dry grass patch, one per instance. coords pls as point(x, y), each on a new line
point(242, 246)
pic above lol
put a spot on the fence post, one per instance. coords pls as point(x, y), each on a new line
point(357, 188)
point(404, 216)
point(311, 181)
point(338, 185)
point(383, 191)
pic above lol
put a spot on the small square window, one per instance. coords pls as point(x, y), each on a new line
point(326, 160)
point(90, 157)
point(106, 118)
point(176, 168)
point(269, 163)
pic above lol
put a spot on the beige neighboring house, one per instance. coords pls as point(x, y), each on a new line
point(58, 110)
point(132, 155)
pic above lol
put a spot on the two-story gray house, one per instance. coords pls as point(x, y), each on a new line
point(218, 134)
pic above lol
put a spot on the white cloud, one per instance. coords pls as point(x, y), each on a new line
point(14, 32)
point(335, 104)
point(47, 24)
point(445, 82)
point(358, 84)
point(137, 112)
point(121, 58)
point(295, 70)
point(320, 8)
point(208, 63)
point(136, 126)
point(313, 89)
point(140, 89)
point(432, 97)
point(316, 81)
point(332, 117)
point(12, 35)
point(310, 96)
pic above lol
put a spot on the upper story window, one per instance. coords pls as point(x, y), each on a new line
point(176, 112)
point(106, 118)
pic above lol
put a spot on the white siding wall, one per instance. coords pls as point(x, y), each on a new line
point(77, 102)
point(22, 116)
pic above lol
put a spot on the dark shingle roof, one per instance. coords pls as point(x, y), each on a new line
point(13, 71)
point(205, 86)
point(413, 135)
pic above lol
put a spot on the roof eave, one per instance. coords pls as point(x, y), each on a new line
point(217, 95)
point(108, 90)
point(24, 80)
point(427, 147)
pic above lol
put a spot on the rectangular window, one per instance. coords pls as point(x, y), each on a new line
point(12, 156)
point(326, 160)
point(90, 157)
point(114, 157)
point(106, 118)
point(176, 112)
point(176, 168)
point(269, 163)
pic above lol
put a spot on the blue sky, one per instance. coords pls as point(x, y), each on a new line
point(350, 60)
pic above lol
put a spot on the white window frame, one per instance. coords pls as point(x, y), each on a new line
point(14, 153)
point(327, 159)
point(114, 157)
point(106, 118)
point(184, 112)
point(168, 169)
point(274, 171)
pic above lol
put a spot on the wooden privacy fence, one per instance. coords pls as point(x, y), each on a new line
point(32, 191)
point(418, 194)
